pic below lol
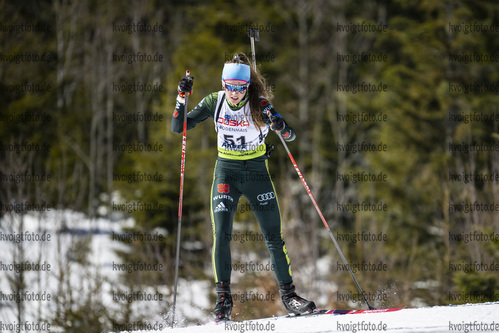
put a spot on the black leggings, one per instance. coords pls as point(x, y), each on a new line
point(251, 178)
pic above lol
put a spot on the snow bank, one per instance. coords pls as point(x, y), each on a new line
point(462, 318)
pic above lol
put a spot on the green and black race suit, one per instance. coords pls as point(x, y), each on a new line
point(241, 169)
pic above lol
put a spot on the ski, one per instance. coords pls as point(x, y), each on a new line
point(221, 319)
point(317, 312)
point(344, 312)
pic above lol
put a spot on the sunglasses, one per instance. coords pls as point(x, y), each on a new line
point(231, 87)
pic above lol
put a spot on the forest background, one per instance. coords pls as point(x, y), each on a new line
point(395, 105)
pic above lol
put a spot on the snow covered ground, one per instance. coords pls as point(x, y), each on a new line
point(53, 240)
point(462, 318)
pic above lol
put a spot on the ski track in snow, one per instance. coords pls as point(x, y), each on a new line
point(462, 318)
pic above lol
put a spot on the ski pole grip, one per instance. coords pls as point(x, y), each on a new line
point(254, 33)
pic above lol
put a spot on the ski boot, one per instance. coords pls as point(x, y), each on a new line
point(223, 307)
point(294, 304)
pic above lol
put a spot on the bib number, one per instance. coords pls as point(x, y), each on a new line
point(229, 139)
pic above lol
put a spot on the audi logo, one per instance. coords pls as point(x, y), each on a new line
point(266, 196)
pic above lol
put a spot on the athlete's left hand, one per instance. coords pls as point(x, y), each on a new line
point(277, 124)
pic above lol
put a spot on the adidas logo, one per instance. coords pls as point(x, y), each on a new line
point(221, 208)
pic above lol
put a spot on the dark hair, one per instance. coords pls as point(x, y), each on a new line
point(256, 88)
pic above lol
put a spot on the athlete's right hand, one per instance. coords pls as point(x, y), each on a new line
point(185, 86)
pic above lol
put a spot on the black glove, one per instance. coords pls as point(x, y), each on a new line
point(185, 85)
point(277, 124)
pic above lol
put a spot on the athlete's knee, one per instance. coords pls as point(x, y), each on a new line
point(274, 243)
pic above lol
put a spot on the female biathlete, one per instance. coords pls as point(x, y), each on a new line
point(241, 116)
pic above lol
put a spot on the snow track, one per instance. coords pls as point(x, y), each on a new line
point(462, 318)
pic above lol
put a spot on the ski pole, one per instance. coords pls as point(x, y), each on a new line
point(252, 33)
point(180, 199)
point(323, 219)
